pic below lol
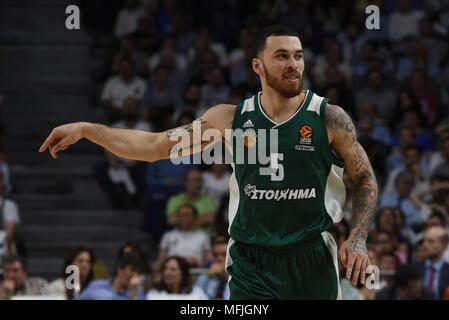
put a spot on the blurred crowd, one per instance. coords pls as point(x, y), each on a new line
point(162, 63)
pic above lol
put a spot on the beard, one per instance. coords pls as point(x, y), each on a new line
point(285, 89)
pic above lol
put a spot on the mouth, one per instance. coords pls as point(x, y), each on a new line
point(292, 78)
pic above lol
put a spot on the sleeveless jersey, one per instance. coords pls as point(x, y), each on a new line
point(288, 195)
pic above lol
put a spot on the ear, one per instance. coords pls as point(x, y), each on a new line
point(257, 67)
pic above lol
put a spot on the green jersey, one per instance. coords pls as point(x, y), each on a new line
point(292, 194)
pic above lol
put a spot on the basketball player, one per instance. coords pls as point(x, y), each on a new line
point(279, 217)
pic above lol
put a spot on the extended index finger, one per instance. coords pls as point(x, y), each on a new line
point(46, 142)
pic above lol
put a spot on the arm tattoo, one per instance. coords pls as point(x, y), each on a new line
point(178, 150)
point(185, 130)
point(365, 184)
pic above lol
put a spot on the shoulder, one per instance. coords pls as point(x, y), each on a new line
point(338, 123)
point(113, 80)
point(338, 118)
point(99, 284)
point(199, 292)
point(11, 205)
point(221, 112)
point(201, 234)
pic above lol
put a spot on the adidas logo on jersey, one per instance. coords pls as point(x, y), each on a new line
point(248, 124)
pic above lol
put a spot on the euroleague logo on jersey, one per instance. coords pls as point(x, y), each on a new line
point(305, 139)
point(306, 132)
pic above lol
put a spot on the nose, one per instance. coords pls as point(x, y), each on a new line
point(292, 63)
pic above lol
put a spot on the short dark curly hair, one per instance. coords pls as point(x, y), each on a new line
point(272, 30)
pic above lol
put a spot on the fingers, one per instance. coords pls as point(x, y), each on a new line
point(356, 271)
point(363, 270)
point(357, 267)
point(343, 256)
point(61, 145)
point(47, 142)
point(351, 261)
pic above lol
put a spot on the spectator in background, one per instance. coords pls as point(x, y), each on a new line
point(127, 50)
point(333, 57)
point(168, 57)
point(136, 247)
point(9, 220)
point(4, 171)
point(376, 151)
point(16, 281)
point(120, 178)
point(439, 201)
point(125, 284)
point(185, 240)
point(400, 198)
point(204, 204)
point(422, 86)
point(434, 270)
point(216, 183)
point(379, 94)
point(395, 159)
point(128, 17)
point(185, 36)
point(405, 21)
point(145, 39)
point(336, 83)
point(175, 63)
point(406, 101)
point(166, 172)
point(407, 285)
point(416, 58)
point(423, 140)
point(384, 222)
point(120, 87)
point(419, 253)
point(161, 100)
point(204, 42)
point(387, 267)
point(440, 162)
point(416, 165)
point(176, 279)
point(437, 157)
point(380, 131)
point(215, 91)
point(386, 243)
point(240, 58)
point(84, 259)
point(215, 282)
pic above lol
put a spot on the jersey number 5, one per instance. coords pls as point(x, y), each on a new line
point(275, 170)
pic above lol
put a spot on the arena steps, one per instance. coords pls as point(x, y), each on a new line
point(58, 217)
point(45, 80)
point(37, 22)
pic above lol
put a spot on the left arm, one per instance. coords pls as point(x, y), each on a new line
point(343, 139)
point(10, 233)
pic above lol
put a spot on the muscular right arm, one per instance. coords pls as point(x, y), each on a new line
point(137, 144)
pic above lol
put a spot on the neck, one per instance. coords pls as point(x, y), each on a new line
point(174, 288)
point(435, 259)
point(279, 107)
point(191, 195)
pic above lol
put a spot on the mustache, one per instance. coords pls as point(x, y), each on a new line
point(292, 73)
